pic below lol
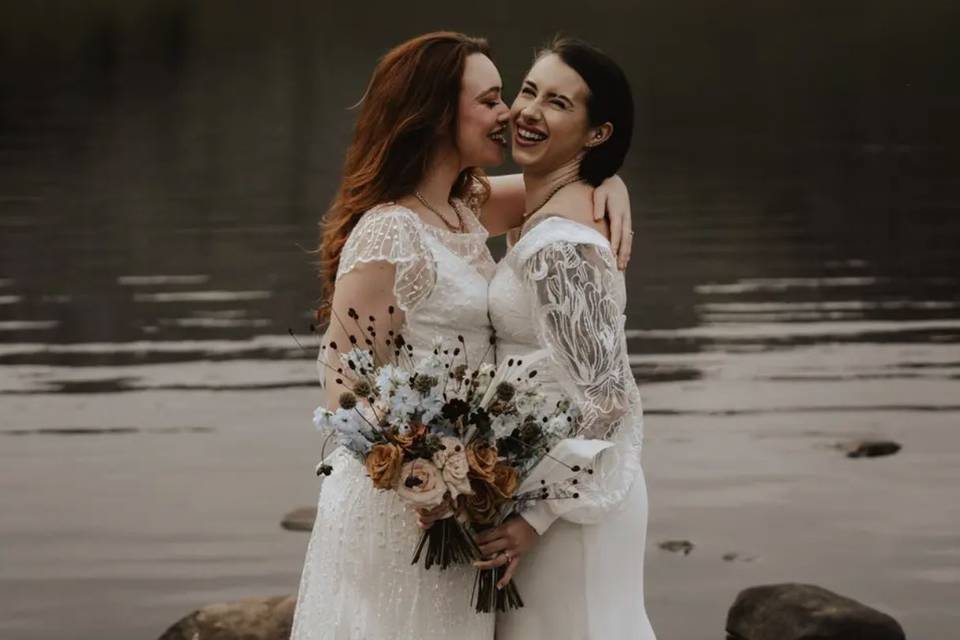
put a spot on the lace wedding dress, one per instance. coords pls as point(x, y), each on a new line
point(357, 581)
point(558, 294)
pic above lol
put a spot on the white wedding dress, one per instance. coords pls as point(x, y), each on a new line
point(357, 581)
point(558, 290)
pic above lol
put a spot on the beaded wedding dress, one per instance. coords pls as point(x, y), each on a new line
point(557, 298)
point(357, 581)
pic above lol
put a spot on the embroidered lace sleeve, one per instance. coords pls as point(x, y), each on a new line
point(392, 236)
point(579, 301)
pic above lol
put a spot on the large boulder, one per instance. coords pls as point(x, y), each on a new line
point(793, 611)
point(250, 619)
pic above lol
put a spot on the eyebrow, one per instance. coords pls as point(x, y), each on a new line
point(533, 85)
point(490, 90)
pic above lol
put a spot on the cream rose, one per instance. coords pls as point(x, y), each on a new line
point(421, 484)
point(453, 465)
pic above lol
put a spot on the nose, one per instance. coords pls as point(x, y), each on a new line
point(530, 112)
point(504, 116)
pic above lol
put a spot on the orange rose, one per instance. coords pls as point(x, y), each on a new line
point(482, 458)
point(415, 433)
point(505, 481)
point(383, 464)
point(482, 505)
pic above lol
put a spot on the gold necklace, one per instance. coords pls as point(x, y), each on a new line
point(550, 195)
point(423, 201)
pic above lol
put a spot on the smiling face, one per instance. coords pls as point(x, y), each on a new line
point(550, 120)
point(482, 116)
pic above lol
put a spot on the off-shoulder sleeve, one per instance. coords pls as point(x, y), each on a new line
point(392, 236)
point(579, 303)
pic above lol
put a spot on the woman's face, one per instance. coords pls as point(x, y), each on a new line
point(549, 116)
point(483, 116)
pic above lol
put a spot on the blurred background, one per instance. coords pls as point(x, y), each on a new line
point(795, 285)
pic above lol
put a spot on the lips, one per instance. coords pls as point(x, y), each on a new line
point(526, 136)
point(499, 136)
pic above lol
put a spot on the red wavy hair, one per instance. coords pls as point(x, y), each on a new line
point(410, 106)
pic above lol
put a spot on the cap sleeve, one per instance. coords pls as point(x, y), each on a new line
point(395, 236)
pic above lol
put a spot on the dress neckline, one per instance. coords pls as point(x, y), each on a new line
point(542, 218)
point(477, 229)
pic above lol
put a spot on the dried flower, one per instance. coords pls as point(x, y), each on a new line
point(421, 485)
point(455, 409)
point(363, 389)
point(505, 481)
point(451, 459)
point(482, 506)
point(424, 384)
point(482, 458)
point(411, 436)
point(347, 400)
point(383, 464)
point(505, 391)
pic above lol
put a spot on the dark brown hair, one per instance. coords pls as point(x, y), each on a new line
point(610, 100)
point(409, 106)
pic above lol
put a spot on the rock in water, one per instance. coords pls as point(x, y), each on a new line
point(681, 546)
point(872, 448)
point(300, 519)
point(793, 611)
point(250, 619)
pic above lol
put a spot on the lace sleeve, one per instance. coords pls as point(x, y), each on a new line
point(579, 301)
point(392, 236)
point(580, 320)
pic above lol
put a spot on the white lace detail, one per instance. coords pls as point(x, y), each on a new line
point(562, 292)
point(357, 581)
point(392, 234)
point(581, 321)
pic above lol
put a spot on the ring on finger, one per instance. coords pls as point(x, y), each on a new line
point(506, 554)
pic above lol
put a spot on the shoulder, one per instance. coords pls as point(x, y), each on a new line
point(387, 217)
point(386, 233)
point(561, 234)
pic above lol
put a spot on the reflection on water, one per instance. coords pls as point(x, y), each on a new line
point(162, 171)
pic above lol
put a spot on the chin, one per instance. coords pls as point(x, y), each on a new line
point(520, 157)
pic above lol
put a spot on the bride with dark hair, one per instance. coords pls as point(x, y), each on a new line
point(407, 232)
point(558, 299)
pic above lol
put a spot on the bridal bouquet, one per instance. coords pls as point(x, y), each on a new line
point(478, 443)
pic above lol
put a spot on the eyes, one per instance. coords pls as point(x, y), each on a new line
point(530, 93)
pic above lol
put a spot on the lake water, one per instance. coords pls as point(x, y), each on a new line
point(795, 284)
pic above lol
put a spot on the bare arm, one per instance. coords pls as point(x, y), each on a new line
point(504, 209)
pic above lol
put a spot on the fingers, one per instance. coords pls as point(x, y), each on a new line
point(599, 203)
point(490, 535)
point(626, 248)
point(498, 545)
point(508, 574)
point(498, 561)
point(616, 234)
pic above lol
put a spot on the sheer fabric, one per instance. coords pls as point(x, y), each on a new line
point(357, 581)
point(558, 291)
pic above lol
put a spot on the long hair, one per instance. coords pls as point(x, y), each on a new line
point(410, 105)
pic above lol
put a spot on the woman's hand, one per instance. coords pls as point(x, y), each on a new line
point(426, 517)
point(611, 199)
point(505, 545)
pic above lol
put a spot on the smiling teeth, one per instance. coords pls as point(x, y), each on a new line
point(529, 135)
